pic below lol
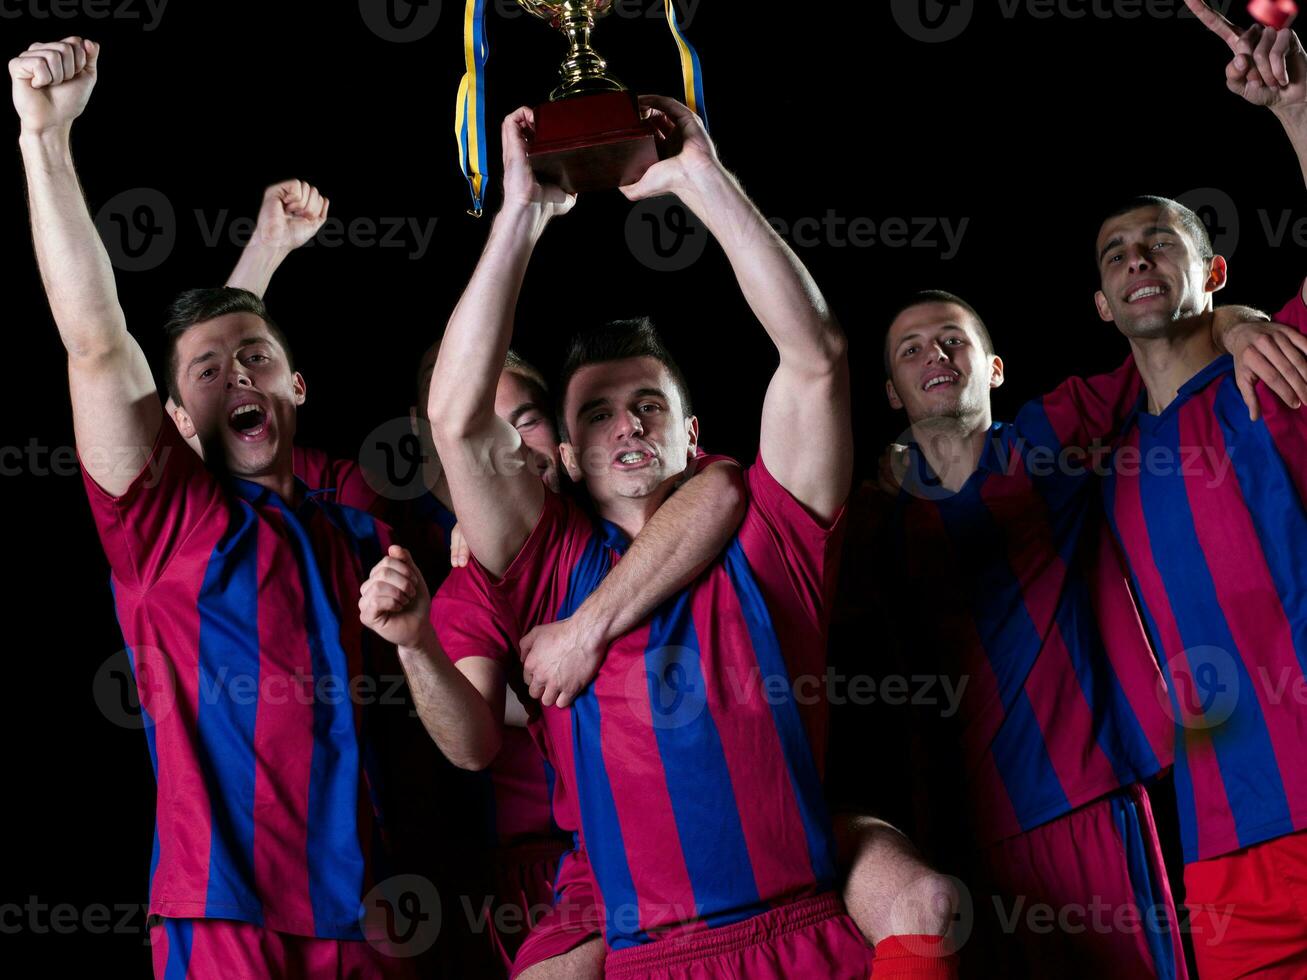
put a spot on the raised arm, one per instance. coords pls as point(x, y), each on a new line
point(682, 538)
point(497, 496)
point(1268, 69)
point(461, 707)
point(116, 408)
point(806, 440)
point(290, 215)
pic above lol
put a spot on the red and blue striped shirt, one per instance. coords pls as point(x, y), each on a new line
point(1011, 586)
point(691, 765)
point(1208, 508)
point(240, 614)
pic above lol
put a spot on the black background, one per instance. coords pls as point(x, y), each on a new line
point(1025, 125)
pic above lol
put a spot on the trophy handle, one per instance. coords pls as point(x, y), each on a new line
point(583, 71)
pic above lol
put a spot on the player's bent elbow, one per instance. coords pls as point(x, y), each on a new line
point(479, 755)
point(726, 493)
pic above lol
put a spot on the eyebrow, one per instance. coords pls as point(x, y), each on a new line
point(209, 355)
point(916, 334)
point(521, 410)
point(638, 393)
point(1120, 239)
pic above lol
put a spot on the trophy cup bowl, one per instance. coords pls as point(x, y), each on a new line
point(589, 135)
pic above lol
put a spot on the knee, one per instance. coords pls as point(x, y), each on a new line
point(928, 906)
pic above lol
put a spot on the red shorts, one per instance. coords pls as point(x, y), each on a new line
point(574, 918)
point(1248, 910)
point(524, 892)
point(809, 938)
point(224, 949)
point(1084, 895)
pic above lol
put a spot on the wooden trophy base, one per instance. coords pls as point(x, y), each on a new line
point(592, 142)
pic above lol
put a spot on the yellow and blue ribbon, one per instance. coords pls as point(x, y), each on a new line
point(470, 112)
point(691, 70)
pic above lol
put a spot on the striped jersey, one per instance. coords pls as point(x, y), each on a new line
point(691, 765)
point(1010, 589)
point(1208, 508)
point(469, 622)
point(240, 615)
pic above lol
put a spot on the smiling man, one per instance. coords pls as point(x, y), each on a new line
point(1213, 525)
point(661, 757)
point(990, 566)
point(230, 580)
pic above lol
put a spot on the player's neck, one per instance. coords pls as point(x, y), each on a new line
point(631, 514)
point(279, 477)
point(1166, 363)
point(952, 445)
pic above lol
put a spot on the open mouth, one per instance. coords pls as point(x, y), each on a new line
point(940, 381)
point(1146, 291)
point(248, 421)
point(633, 459)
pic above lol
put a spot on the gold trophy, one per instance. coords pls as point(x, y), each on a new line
point(589, 135)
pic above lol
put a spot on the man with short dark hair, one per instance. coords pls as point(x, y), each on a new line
point(228, 577)
point(1208, 506)
point(518, 816)
point(661, 759)
point(993, 575)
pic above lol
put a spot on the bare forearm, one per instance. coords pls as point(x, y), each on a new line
point(480, 330)
point(779, 289)
point(684, 536)
point(255, 268)
point(453, 711)
point(75, 267)
point(1226, 318)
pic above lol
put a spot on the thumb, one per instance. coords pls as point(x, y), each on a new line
point(92, 49)
point(525, 644)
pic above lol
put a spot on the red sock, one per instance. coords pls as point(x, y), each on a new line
point(914, 958)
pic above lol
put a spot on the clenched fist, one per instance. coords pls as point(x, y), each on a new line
point(292, 213)
point(52, 83)
point(394, 602)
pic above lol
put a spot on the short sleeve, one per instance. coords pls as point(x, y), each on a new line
point(793, 554)
point(469, 620)
point(1082, 413)
point(530, 591)
point(146, 525)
